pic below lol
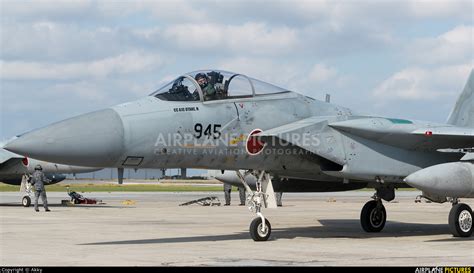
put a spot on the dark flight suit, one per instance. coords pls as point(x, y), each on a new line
point(37, 180)
point(227, 190)
point(242, 195)
point(278, 196)
point(209, 92)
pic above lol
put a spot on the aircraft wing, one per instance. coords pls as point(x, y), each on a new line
point(323, 135)
point(8, 157)
point(312, 134)
point(408, 135)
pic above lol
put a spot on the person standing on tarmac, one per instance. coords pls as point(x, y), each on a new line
point(227, 190)
point(37, 180)
point(242, 196)
point(278, 196)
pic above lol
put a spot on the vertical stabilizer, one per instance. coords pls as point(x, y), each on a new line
point(463, 112)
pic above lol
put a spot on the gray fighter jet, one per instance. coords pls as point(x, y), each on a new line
point(13, 167)
point(228, 121)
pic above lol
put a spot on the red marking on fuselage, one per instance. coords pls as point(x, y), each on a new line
point(25, 161)
point(254, 146)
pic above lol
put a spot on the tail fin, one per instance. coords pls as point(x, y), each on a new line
point(463, 112)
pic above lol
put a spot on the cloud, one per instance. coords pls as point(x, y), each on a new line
point(80, 90)
point(46, 9)
point(178, 10)
point(426, 84)
point(51, 41)
point(452, 47)
point(313, 80)
point(256, 38)
point(294, 12)
point(441, 9)
point(272, 71)
point(119, 65)
point(321, 73)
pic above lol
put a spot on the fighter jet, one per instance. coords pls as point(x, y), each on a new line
point(13, 167)
point(228, 121)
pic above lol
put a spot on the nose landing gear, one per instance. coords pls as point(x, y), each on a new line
point(264, 196)
point(27, 191)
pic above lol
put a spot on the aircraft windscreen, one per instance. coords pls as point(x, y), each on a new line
point(214, 85)
point(181, 89)
point(264, 88)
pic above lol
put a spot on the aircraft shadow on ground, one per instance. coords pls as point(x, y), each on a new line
point(349, 228)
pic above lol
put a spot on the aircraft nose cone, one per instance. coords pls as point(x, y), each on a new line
point(94, 139)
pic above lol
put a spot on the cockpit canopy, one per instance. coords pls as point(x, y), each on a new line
point(207, 85)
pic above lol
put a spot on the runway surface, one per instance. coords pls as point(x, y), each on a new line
point(153, 230)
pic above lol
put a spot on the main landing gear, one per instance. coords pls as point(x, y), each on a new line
point(460, 215)
point(260, 228)
point(460, 219)
point(373, 215)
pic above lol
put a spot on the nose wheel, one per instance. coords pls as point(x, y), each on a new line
point(260, 232)
point(26, 201)
point(373, 216)
point(460, 220)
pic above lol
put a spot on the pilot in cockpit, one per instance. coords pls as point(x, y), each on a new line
point(210, 90)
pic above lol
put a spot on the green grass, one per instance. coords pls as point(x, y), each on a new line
point(118, 188)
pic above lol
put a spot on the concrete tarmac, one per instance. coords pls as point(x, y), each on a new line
point(311, 229)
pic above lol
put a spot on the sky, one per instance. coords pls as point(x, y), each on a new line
point(402, 59)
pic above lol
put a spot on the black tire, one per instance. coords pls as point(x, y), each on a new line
point(460, 220)
point(256, 232)
point(372, 217)
point(26, 201)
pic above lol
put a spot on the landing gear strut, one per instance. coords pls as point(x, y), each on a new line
point(460, 219)
point(260, 228)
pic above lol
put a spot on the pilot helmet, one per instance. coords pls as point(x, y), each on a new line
point(38, 168)
point(199, 76)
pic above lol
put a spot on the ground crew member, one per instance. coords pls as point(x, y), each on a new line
point(278, 196)
point(242, 196)
point(227, 190)
point(37, 180)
